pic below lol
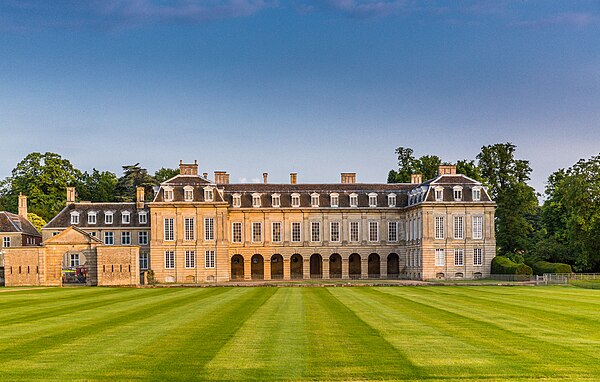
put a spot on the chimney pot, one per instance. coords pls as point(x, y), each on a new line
point(416, 178)
point(447, 169)
point(140, 196)
point(348, 177)
point(293, 178)
point(22, 205)
point(265, 177)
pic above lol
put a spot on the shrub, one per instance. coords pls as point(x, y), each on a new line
point(541, 267)
point(502, 265)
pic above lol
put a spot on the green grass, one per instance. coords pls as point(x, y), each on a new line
point(359, 333)
point(588, 284)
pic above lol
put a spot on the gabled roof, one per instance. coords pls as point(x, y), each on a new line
point(73, 235)
point(10, 222)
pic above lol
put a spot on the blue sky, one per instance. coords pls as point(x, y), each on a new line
point(314, 87)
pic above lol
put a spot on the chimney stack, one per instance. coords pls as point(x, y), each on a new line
point(71, 195)
point(22, 205)
point(205, 175)
point(293, 178)
point(416, 178)
point(221, 177)
point(348, 177)
point(140, 194)
point(447, 169)
point(188, 168)
point(265, 177)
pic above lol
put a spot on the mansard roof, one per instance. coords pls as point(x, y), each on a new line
point(63, 219)
point(191, 180)
point(10, 222)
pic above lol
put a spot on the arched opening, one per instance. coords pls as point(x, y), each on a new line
point(335, 266)
point(237, 267)
point(296, 266)
point(477, 275)
point(393, 266)
point(316, 266)
point(257, 267)
point(354, 266)
point(277, 267)
point(458, 275)
point(374, 269)
point(439, 275)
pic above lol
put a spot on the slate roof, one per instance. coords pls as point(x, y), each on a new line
point(10, 222)
point(63, 219)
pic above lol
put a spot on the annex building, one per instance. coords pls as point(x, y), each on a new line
point(201, 230)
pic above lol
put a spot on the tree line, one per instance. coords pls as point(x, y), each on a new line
point(565, 228)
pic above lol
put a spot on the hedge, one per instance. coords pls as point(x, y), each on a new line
point(502, 265)
point(541, 267)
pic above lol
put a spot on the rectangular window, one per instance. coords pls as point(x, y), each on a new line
point(256, 200)
point(276, 201)
point(108, 218)
point(109, 238)
point(144, 260)
point(168, 195)
point(393, 231)
point(296, 232)
point(237, 200)
point(353, 200)
point(74, 260)
point(315, 231)
point(91, 218)
point(6, 242)
point(143, 217)
point(439, 227)
point(334, 231)
point(295, 200)
point(126, 218)
point(477, 256)
point(457, 194)
point(189, 226)
point(75, 218)
point(169, 259)
point(169, 229)
point(190, 259)
point(208, 195)
point(440, 257)
point(477, 227)
point(373, 231)
point(335, 200)
point(236, 232)
point(392, 200)
point(459, 257)
point(125, 238)
point(276, 237)
point(209, 229)
point(188, 195)
point(459, 231)
point(476, 194)
point(354, 231)
point(372, 200)
point(143, 238)
point(256, 232)
point(209, 259)
point(314, 200)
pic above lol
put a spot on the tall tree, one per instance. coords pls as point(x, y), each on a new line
point(165, 174)
point(470, 169)
point(428, 166)
point(134, 176)
point(99, 186)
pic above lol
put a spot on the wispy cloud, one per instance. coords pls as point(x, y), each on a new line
point(574, 19)
point(358, 8)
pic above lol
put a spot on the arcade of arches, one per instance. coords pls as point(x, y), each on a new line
point(315, 266)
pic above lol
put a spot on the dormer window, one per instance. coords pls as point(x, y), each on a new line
point(295, 200)
point(391, 200)
point(457, 193)
point(168, 194)
point(276, 200)
point(256, 200)
point(372, 199)
point(439, 194)
point(314, 200)
point(143, 217)
point(92, 217)
point(334, 200)
point(126, 217)
point(353, 200)
point(108, 217)
point(476, 194)
point(237, 200)
point(188, 193)
point(74, 217)
point(208, 194)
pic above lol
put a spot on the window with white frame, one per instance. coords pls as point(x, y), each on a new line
point(92, 217)
point(188, 193)
point(74, 217)
point(315, 231)
point(391, 200)
point(334, 199)
point(126, 217)
point(439, 227)
point(256, 200)
point(143, 238)
point(296, 232)
point(169, 259)
point(208, 194)
point(476, 194)
point(143, 217)
point(237, 200)
point(144, 263)
point(74, 260)
point(477, 256)
point(209, 259)
point(276, 232)
point(372, 200)
point(109, 238)
point(276, 200)
point(392, 232)
point(354, 231)
point(334, 231)
point(6, 242)
point(373, 231)
point(190, 259)
point(295, 200)
point(459, 257)
point(477, 227)
point(314, 200)
point(108, 217)
point(189, 229)
point(92, 233)
point(457, 193)
point(236, 232)
point(439, 194)
point(169, 229)
point(459, 227)
point(209, 228)
point(168, 194)
point(353, 200)
point(125, 238)
point(256, 232)
point(440, 257)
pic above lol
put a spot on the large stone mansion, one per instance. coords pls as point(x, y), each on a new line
point(198, 230)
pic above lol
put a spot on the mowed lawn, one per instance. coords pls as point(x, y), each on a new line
point(292, 333)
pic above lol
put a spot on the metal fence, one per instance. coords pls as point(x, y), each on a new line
point(573, 278)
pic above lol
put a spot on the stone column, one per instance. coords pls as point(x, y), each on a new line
point(364, 267)
point(267, 268)
point(286, 269)
point(247, 268)
point(383, 267)
point(306, 268)
point(345, 269)
point(325, 268)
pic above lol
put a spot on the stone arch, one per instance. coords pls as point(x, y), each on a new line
point(237, 267)
point(393, 266)
point(316, 266)
point(440, 275)
point(257, 267)
point(276, 267)
point(335, 266)
point(296, 266)
point(477, 275)
point(374, 266)
point(459, 275)
point(354, 266)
